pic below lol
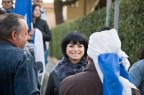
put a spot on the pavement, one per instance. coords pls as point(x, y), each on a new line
point(51, 63)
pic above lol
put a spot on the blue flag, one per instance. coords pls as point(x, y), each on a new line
point(109, 65)
point(24, 8)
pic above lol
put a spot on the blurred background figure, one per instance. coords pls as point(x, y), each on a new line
point(136, 72)
point(7, 6)
point(41, 25)
point(44, 17)
point(42, 11)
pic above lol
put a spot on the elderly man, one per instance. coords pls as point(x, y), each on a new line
point(106, 70)
point(18, 74)
point(7, 6)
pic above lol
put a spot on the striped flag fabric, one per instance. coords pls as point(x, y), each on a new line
point(24, 8)
point(39, 50)
point(39, 54)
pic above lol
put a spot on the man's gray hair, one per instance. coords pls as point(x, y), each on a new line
point(9, 23)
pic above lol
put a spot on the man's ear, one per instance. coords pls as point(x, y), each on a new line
point(14, 35)
point(13, 38)
point(88, 58)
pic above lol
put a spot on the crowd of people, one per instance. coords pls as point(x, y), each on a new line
point(94, 66)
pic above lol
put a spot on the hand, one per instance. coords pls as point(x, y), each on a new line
point(31, 33)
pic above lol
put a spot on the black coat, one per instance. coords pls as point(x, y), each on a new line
point(84, 83)
point(44, 28)
point(53, 85)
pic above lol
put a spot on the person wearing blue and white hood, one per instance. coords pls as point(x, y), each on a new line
point(110, 75)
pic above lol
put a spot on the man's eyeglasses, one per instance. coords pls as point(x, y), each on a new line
point(6, 1)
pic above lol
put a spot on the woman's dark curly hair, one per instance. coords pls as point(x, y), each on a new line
point(74, 37)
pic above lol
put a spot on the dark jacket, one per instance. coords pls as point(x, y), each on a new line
point(84, 83)
point(136, 73)
point(44, 28)
point(18, 74)
point(53, 85)
point(12, 10)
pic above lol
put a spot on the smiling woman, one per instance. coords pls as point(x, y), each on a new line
point(74, 48)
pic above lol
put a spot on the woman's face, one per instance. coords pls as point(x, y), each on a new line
point(36, 12)
point(75, 52)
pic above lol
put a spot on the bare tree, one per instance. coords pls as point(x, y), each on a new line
point(99, 4)
point(58, 8)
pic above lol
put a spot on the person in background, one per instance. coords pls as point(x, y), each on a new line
point(7, 6)
point(136, 72)
point(18, 73)
point(74, 48)
point(42, 11)
point(105, 73)
point(44, 17)
point(41, 25)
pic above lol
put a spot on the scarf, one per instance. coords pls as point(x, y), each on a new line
point(66, 68)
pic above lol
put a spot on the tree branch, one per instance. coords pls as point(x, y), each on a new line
point(69, 2)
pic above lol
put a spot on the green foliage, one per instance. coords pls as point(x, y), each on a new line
point(131, 27)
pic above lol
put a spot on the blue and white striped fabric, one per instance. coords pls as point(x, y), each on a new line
point(111, 62)
point(110, 68)
point(39, 49)
point(24, 8)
